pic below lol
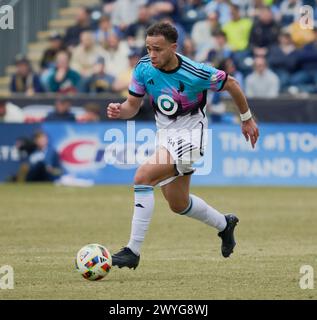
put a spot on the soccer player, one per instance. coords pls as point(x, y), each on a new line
point(177, 89)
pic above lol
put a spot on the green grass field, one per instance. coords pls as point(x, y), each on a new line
point(42, 227)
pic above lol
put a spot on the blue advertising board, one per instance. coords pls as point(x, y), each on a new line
point(110, 152)
point(284, 155)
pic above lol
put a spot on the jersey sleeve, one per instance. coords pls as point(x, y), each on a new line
point(215, 80)
point(137, 85)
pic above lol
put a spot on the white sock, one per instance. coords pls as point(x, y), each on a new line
point(198, 209)
point(143, 210)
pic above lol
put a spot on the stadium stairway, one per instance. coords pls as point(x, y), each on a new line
point(67, 17)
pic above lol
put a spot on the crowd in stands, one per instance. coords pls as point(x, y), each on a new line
point(263, 43)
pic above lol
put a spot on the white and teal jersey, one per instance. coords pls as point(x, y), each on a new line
point(177, 96)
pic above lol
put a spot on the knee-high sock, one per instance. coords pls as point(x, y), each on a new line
point(143, 210)
point(198, 209)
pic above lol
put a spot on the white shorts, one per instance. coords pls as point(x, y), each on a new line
point(186, 146)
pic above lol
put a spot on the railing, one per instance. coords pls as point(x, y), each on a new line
point(30, 16)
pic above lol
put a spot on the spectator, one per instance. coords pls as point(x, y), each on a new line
point(262, 83)
point(237, 30)
point(289, 11)
point(62, 78)
point(238, 33)
point(192, 12)
point(92, 113)
point(282, 58)
point(161, 9)
point(230, 68)
point(203, 35)
point(85, 55)
point(116, 55)
point(300, 36)
point(105, 29)
point(56, 44)
point(100, 81)
point(43, 164)
point(189, 49)
point(136, 32)
point(10, 113)
point(107, 6)
point(305, 79)
point(25, 80)
point(264, 32)
point(83, 23)
point(252, 8)
point(125, 12)
point(221, 50)
point(124, 78)
point(222, 8)
point(62, 111)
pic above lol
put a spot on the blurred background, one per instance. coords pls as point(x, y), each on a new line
point(64, 61)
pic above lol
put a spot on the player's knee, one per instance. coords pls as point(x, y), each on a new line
point(178, 207)
point(142, 176)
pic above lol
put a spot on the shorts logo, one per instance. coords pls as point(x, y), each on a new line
point(167, 105)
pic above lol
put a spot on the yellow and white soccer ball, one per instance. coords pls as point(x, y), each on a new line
point(93, 261)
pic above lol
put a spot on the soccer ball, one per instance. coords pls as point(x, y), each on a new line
point(93, 261)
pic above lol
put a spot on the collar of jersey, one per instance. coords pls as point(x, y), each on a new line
point(176, 69)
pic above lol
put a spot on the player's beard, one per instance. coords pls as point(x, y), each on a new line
point(166, 63)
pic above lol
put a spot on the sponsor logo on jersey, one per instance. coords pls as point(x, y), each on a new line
point(167, 104)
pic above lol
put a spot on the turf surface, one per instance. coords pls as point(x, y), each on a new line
point(42, 227)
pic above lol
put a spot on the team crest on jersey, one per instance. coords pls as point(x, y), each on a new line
point(167, 104)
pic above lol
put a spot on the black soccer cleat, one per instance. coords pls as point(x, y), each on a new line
point(125, 258)
point(227, 236)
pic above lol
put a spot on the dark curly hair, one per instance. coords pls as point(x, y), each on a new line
point(164, 29)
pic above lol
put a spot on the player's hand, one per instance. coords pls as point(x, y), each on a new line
point(250, 131)
point(114, 110)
